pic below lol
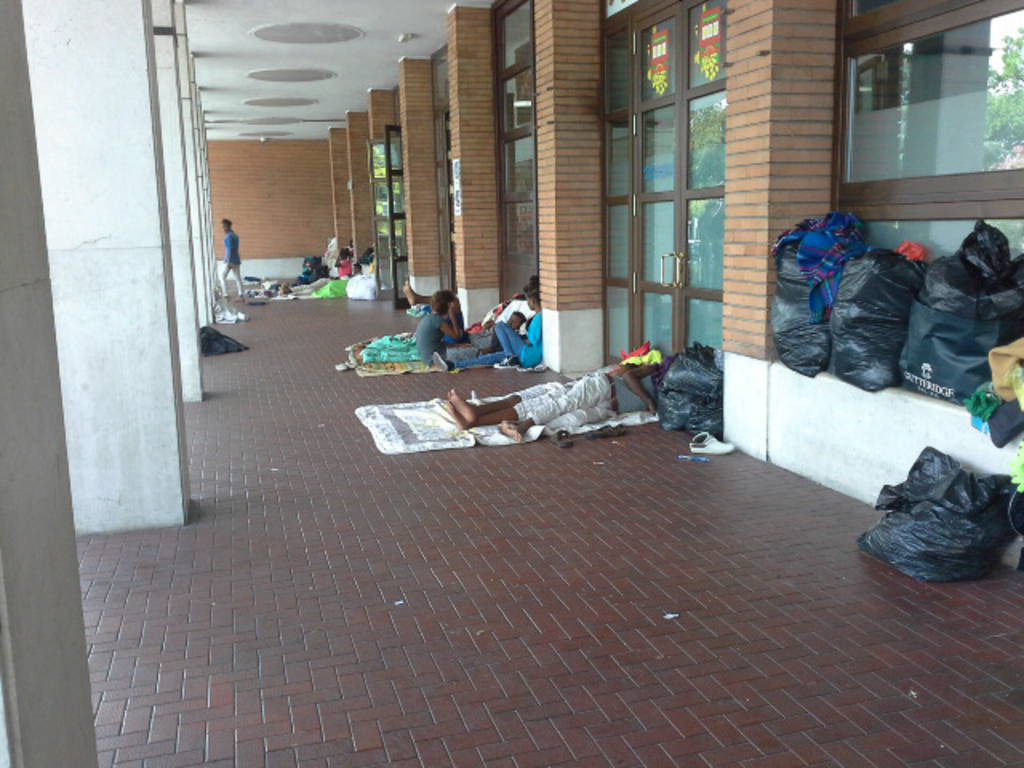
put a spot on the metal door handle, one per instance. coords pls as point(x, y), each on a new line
point(634, 282)
point(681, 269)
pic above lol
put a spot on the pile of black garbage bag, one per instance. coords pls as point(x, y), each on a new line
point(971, 302)
point(692, 392)
point(943, 523)
point(213, 342)
point(897, 321)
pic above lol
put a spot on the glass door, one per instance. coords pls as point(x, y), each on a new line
point(665, 177)
point(389, 216)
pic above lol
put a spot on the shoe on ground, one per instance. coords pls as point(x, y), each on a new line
point(708, 444)
point(440, 363)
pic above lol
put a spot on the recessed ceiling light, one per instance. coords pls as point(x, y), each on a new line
point(292, 75)
point(270, 134)
point(272, 121)
point(280, 102)
point(307, 33)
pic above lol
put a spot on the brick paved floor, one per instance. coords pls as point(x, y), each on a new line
point(335, 607)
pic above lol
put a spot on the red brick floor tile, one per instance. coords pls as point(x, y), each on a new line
point(531, 629)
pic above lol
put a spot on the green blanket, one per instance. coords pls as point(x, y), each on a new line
point(336, 289)
point(391, 349)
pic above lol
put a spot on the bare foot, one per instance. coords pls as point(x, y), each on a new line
point(464, 409)
point(456, 416)
point(514, 430)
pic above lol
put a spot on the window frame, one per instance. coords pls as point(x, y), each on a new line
point(505, 138)
point(982, 194)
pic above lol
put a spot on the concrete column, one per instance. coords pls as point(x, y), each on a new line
point(567, 35)
point(361, 199)
point(381, 105)
point(471, 92)
point(416, 93)
point(340, 196)
point(100, 162)
point(191, 124)
point(45, 706)
point(165, 48)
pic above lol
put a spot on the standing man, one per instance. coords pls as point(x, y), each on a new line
point(232, 264)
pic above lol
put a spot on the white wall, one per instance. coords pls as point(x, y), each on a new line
point(45, 711)
point(100, 165)
point(842, 437)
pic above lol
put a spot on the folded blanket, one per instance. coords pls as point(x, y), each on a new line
point(400, 348)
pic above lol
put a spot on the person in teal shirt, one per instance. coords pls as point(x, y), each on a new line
point(529, 351)
point(532, 353)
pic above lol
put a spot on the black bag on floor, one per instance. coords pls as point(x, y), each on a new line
point(942, 523)
point(691, 394)
point(869, 318)
point(803, 346)
point(946, 355)
point(980, 281)
point(213, 342)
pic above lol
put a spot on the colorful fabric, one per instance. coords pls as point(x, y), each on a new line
point(913, 251)
point(982, 403)
point(651, 358)
point(391, 349)
point(824, 247)
point(643, 349)
point(1002, 361)
point(418, 310)
point(336, 289)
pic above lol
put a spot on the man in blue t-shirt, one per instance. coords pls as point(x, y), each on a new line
point(232, 264)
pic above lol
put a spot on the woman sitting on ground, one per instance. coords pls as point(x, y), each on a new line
point(528, 351)
point(442, 322)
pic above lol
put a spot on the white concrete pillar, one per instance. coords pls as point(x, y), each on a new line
point(45, 705)
point(186, 309)
point(100, 163)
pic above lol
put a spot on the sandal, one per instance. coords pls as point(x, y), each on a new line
point(608, 431)
point(561, 439)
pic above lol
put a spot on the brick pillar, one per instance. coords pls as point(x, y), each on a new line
point(341, 200)
point(416, 89)
point(360, 198)
point(567, 35)
point(471, 92)
point(779, 148)
point(382, 111)
point(779, 135)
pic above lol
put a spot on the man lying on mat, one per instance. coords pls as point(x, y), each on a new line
point(592, 398)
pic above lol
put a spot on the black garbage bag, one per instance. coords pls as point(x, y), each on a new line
point(943, 523)
point(946, 355)
point(803, 346)
point(870, 316)
point(213, 342)
point(980, 281)
point(692, 392)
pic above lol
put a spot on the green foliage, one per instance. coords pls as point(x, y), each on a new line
point(1004, 132)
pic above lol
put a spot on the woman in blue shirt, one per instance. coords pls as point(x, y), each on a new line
point(530, 350)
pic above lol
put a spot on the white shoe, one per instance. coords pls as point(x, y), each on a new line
point(707, 443)
point(439, 362)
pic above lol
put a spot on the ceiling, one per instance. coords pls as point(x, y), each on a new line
point(223, 39)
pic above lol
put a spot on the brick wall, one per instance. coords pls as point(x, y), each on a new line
point(342, 204)
point(360, 197)
point(278, 194)
point(382, 112)
point(779, 147)
point(416, 90)
point(567, 36)
point(471, 92)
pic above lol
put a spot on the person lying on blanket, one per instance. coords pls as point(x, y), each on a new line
point(592, 398)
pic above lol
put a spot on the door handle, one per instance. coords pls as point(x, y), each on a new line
point(682, 269)
point(634, 282)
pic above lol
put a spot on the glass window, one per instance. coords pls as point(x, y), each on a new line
point(707, 43)
point(518, 44)
point(522, 238)
point(707, 141)
point(618, 241)
point(942, 238)
point(396, 152)
point(441, 81)
point(658, 44)
point(949, 103)
point(706, 243)
point(659, 148)
point(658, 321)
point(400, 242)
point(519, 165)
point(863, 6)
point(380, 199)
point(619, 165)
point(616, 71)
point(618, 320)
point(519, 100)
point(704, 324)
point(659, 240)
point(398, 195)
point(379, 160)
